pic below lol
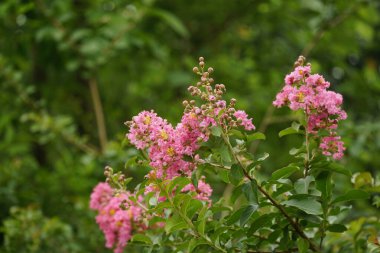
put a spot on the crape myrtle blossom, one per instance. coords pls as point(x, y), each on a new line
point(117, 223)
point(308, 92)
point(172, 152)
point(169, 147)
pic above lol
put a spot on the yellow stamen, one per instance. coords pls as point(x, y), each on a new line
point(170, 151)
point(164, 135)
point(301, 97)
point(112, 212)
point(147, 120)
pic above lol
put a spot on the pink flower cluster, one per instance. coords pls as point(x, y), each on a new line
point(116, 223)
point(322, 108)
point(203, 190)
point(168, 146)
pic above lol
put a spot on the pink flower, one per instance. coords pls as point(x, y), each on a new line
point(147, 127)
point(203, 190)
point(332, 146)
point(100, 196)
point(115, 222)
point(242, 119)
point(308, 92)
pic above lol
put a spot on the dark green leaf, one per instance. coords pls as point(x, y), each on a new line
point(247, 213)
point(336, 228)
point(194, 178)
point(250, 192)
point(264, 220)
point(236, 174)
point(235, 216)
point(284, 172)
point(308, 205)
point(324, 185)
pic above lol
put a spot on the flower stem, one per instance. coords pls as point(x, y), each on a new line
point(188, 221)
point(292, 222)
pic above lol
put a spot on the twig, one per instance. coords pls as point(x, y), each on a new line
point(188, 221)
point(99, 115)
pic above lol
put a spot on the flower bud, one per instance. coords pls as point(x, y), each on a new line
point(201, 59)
point(195, 70)
point(210, 70)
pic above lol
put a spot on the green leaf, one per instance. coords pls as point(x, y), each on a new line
point(171, 20)
point(224, 153)
point(336, 228)
point(224, 175)
point(194, 242)
point(236, 133)
point(178, 183)
point(294, 129)
point(362, 179)
point(216, 131)
point(250, 192)
point(302, 185)
point(303, 245)
point(308, 205)
point(247, 213)
point(262, 221)
point(161, 206)
point(338, 168)
point(352, 195)
point(255, 136)
point(284, 172)
point(194, 178)
point(234, 217)
point(142, 238)
point(324, 185)
point(193, 207)
point(174, 224)
point(236, 174)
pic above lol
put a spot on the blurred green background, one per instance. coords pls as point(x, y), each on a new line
point(72, 71)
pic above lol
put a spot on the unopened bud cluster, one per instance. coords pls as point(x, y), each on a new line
point(213, 106)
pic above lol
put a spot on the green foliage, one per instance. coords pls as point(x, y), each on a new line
point(27, 230)
point(138, 53)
